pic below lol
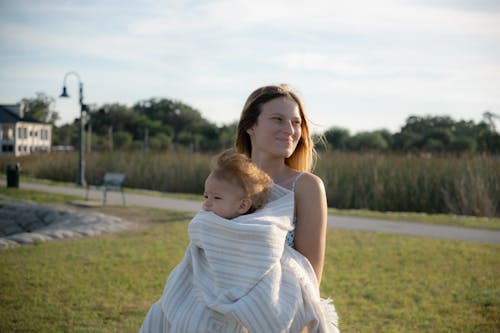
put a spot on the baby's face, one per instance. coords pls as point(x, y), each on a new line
point(223, 198)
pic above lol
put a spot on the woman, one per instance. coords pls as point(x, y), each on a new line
point(273, 131)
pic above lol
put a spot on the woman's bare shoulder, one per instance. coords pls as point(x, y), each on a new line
point(308, 179)
point(310, 182)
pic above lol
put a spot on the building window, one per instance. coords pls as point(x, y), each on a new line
point(8, 132)
point(22, 133)
point(8, 148)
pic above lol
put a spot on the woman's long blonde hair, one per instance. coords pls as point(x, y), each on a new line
point(304, 156)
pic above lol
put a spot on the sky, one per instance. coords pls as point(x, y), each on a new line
point(359, 65)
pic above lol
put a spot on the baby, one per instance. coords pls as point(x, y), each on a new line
point(235, 186)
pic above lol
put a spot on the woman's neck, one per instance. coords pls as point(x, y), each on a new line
point(275, 168)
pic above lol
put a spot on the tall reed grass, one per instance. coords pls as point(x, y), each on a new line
point(468, 185)
point(166, 172)
point(433, 184)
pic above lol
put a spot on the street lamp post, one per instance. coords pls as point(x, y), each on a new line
point(80, 178)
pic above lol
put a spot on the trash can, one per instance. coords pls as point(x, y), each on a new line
point(13, 175)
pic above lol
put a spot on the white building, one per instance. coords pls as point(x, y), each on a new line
point(20, 135)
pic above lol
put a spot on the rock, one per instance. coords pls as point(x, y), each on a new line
point(28, 237)
point(5, 243)
point(24, 223)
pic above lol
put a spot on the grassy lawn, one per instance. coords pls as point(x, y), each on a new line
point(35, 196)
point(379, 282)
point(101, 284)
point(389, 283)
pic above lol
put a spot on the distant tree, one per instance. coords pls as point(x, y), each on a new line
point(463, 144)
point(160, 141)
point(208, 137)
point(406, 141)
point(430, 133)
point(39, 108)
point(364, 141)
point(186, 139)
point(188, 128)
point(65, 135)
point(489, 118)
point(164, 124)
point(424, 124)
point(122, 139)
point(173, 113)
point(337, 138)
point(135, 145)
point(464, 128)
point(489, 142)
point(432, 145)
point(227, 134)
point(388, 137)
point(100, 142)
point(436, 139)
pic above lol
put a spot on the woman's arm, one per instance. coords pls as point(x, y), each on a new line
point(311, 211)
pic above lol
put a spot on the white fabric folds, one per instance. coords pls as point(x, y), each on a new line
point(239, 276)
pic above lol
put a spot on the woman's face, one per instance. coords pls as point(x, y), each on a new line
point(278, 128)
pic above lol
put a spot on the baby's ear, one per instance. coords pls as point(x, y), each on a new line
point(245, 205)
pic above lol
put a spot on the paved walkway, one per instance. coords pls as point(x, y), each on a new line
point(339, 222)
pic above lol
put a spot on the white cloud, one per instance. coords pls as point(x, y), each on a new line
point(343, 65)
point(348, 16)
point(211, 54)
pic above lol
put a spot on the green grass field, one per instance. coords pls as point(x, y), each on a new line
point(379, 282)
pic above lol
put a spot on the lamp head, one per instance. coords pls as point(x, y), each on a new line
point(64, 92)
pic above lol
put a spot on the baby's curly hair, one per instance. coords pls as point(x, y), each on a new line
point(238, 169)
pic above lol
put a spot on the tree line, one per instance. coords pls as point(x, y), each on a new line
point(165, 124)
point(433, 134)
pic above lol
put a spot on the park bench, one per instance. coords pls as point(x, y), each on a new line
point(111, 182)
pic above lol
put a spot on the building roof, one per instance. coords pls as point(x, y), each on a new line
point(9, 113)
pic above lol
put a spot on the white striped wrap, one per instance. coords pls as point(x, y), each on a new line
point(239, 276)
